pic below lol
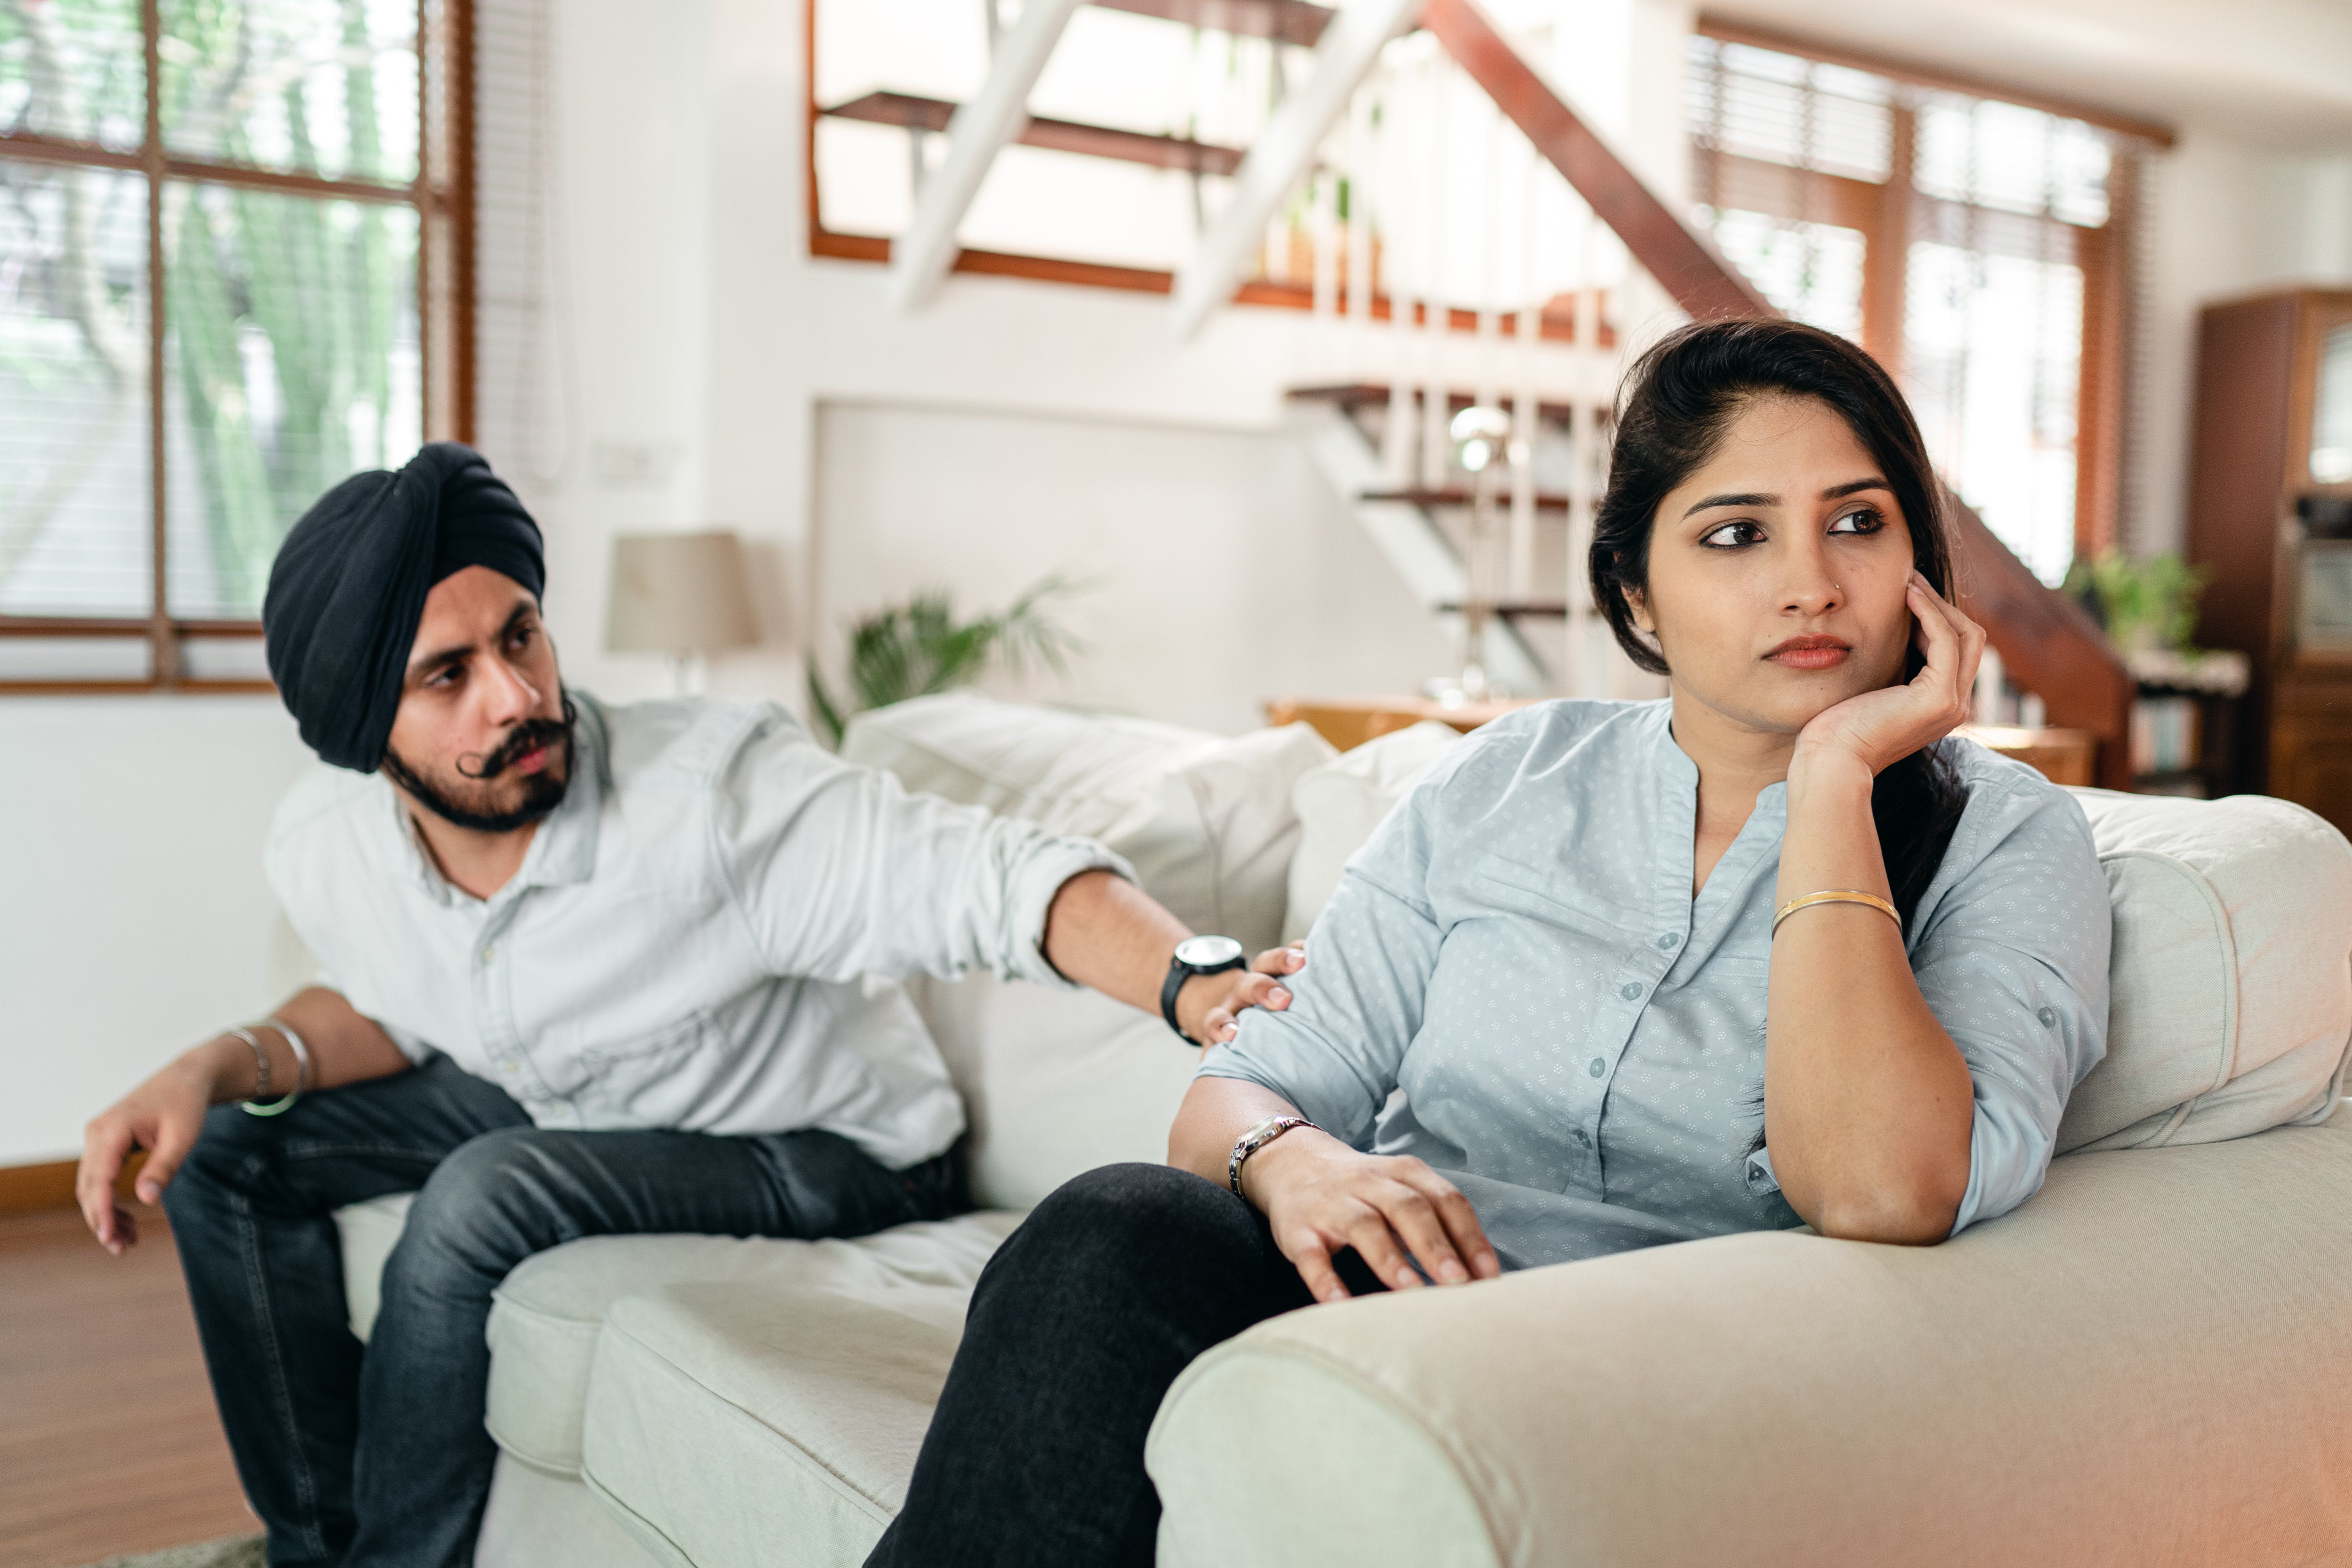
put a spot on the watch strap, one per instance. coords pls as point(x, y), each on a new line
point(1256, 1138)
point(1180, 971)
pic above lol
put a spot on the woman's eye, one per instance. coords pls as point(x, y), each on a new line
point(1732, 535)
point(1863, 521)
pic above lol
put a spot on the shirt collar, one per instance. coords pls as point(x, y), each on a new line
point(562, 851)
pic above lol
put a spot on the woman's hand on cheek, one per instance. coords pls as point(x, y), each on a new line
point(1321, 1196)
point(1878, 728)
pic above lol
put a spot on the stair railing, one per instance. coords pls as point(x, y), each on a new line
point(1620, 260)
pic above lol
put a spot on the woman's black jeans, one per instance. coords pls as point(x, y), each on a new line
point(1076, 1329)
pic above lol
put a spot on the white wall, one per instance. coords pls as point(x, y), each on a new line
point(133, 917)
point(1222, 569)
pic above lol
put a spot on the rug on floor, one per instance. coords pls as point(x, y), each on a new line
point(228, 1552)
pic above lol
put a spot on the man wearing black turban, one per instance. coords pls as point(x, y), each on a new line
point(588, 970)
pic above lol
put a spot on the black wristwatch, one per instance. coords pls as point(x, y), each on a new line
point(1196, 955)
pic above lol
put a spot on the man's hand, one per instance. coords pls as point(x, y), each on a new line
point(1210, 1005)
point(163, 1116)
point(1319, 1196)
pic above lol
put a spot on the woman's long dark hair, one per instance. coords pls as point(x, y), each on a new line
point(1677, 402)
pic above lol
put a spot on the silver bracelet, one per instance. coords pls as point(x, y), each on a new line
point(302, 1068)
point(1256, 1138)
point(260, 1061)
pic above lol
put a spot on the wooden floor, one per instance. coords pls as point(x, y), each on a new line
point(107, 1438)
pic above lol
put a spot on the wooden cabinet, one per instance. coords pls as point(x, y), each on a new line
point(2270, 516)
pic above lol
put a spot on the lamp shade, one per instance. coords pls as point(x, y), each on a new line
point(678, 593)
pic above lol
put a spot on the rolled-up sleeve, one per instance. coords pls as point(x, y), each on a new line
point(838, 871)
point(1335, 1053)
point(2014, 965)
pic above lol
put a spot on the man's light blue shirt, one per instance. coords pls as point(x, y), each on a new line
point(1579, 1043)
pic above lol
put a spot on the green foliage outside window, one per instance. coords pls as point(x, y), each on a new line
point(290, 348)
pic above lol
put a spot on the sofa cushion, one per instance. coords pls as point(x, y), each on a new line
point(546, 1317)
point(1206, 821)
point(1339, 803)
point(370, 1230)
point(768, 1427)
point(1054, 1082)
point(2231, 982)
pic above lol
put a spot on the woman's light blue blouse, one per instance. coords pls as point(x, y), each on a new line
point(1514, 983)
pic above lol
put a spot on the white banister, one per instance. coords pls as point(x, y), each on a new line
point(982, 126)
point(1350, 47)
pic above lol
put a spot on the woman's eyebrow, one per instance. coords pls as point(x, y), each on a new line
point(1837, 492)
point(1748, 499)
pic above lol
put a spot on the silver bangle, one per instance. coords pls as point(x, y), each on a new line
point(302, 1068)
point(1256, 1138)
point(260, 1061)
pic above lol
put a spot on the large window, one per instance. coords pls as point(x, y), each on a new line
point(1980, 248)
point(228, 278)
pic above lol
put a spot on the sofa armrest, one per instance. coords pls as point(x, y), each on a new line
point(2151, 1362)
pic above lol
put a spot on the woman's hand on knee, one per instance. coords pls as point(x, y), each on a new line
point(1321, 1198)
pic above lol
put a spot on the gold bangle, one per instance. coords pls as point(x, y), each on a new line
point(1835, 896)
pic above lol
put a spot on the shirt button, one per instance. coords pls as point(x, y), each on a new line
point(1584, 1138)
point(488, 954)
point(1630, 989)
point(1598, 1067)
point(1669, 941)
point(2048, 1015)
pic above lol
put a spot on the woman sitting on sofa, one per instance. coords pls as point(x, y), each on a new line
point(1771, 951)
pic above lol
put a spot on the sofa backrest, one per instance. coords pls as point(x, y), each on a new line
point(2232, 975)
point(1206, 820)
point(2230, 1005)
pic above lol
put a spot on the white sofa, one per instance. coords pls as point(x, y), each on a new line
point(2149, 1362)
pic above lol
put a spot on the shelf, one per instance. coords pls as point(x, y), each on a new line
point(1512, 609)
point(908, 112)
point(1455, 496)
point(1288, 21)
point(1352, 396)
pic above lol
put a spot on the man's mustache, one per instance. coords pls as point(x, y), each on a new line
point(522, 740)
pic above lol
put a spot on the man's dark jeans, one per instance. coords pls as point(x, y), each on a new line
point(378, 1455)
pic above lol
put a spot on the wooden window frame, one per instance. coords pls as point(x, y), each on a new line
point(1887, 214)
point(442, 197)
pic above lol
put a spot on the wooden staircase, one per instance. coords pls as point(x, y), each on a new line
point(2048, 643)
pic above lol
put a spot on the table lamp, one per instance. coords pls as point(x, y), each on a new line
point(682, 595)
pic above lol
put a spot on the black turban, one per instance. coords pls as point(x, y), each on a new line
point(348, 586)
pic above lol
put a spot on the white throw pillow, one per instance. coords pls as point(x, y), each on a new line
point(1341, 803)
point(1206, 820)
point(1054, 1082)
point(2230, 985)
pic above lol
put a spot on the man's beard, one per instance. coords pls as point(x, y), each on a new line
point(542, 792)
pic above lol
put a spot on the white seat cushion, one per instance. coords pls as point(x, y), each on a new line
point(760, 1425)
point(370, 1230)
point(547, 1316)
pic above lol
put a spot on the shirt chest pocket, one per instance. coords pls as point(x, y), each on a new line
point(641, 1077)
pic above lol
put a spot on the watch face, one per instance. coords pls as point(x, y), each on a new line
point(1207, 952)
